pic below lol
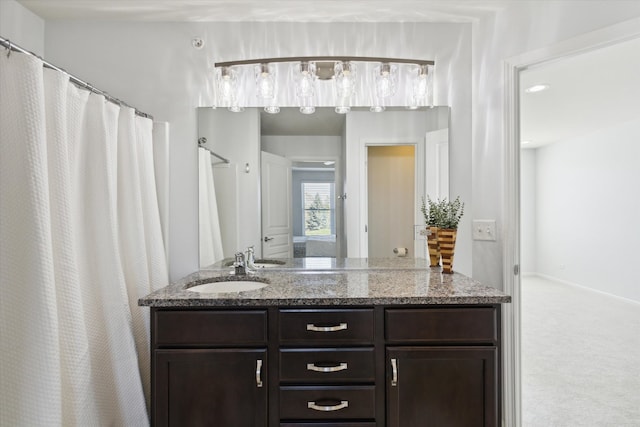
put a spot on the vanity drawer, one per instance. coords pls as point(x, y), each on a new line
point(310, 327)
point(207, 328)
point(325, 403)
point(442, 325)
point(315, 365)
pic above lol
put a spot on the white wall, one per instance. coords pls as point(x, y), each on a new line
point(153, 67)
point(588, 208)
point(528, 205)
point(21, 26)
point(521, 27)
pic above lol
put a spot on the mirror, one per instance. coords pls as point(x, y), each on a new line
point(319, 185)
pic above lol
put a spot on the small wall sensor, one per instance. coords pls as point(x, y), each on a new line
point(197, 43)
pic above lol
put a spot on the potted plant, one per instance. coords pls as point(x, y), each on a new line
point(431, 218)
point(449, 214)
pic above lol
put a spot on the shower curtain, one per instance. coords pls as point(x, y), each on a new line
point(210, 236)
point(80, 242)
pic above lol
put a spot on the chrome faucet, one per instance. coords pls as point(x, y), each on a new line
point(250, 259)
point(240, 265)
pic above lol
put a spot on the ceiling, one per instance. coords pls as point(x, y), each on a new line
point(587, 92)
point(258, 10)
point(290, 121)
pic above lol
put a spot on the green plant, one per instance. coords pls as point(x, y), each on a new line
point(431, 215)
point(443, 213)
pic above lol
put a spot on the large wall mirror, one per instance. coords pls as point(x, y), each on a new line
point(318, 185)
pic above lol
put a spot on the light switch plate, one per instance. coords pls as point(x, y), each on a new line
point(484, 229)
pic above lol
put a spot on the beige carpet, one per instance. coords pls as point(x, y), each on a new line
point(580, 357)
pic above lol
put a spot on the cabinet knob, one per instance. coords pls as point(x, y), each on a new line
point(340, 327)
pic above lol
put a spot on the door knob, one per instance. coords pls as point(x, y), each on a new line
point(267, 238)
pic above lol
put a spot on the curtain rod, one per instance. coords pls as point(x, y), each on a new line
point(10, 46)
point(202, 141)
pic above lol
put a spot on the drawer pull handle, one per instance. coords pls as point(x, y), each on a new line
point(394, 372)
point(340, 327)
point(312, 367)
point(258, 373)
point(343, 404)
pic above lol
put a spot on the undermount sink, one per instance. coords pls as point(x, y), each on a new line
point(266, 264)
point(229, 285)
point(262, 263)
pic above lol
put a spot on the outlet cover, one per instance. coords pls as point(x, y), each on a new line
point(484, 229)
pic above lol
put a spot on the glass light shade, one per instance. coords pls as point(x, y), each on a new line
point(421, 85)
point(306, 80)
point(341, 109)
point(226, 86)
point(272, 109)
point(345, 79)
point(265, 81)
point(385, 77)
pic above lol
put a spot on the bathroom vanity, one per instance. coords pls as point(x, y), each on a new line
point(357, 343)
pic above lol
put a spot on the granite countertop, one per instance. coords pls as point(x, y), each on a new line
point(340, 282)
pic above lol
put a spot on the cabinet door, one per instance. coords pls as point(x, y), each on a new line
point(442, 386)
point(223, 388)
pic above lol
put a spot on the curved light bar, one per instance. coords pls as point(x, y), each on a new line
point(305, 70)
point(324, 59)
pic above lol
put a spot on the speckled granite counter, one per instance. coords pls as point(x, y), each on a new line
point(346, 282)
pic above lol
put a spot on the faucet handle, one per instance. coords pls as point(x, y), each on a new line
point(239, 258)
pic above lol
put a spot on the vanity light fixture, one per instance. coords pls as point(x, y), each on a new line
point(536, 88)
point(379, 86)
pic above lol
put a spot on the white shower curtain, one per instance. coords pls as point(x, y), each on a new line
point(210, 236)
point(80, 241)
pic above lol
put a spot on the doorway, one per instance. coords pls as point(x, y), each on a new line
point(512, 258)
point(391, 200)
point(577, 159)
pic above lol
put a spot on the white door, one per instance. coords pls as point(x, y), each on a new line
point(277, 230)
point(438, 164)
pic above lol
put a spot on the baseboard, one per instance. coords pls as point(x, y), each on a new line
point(568, 283)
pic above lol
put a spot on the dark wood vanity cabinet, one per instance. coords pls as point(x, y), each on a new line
point(326, 367)
point(209, 368)
point(442, 367)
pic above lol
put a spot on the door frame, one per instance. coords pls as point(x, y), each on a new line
point(511, 320)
